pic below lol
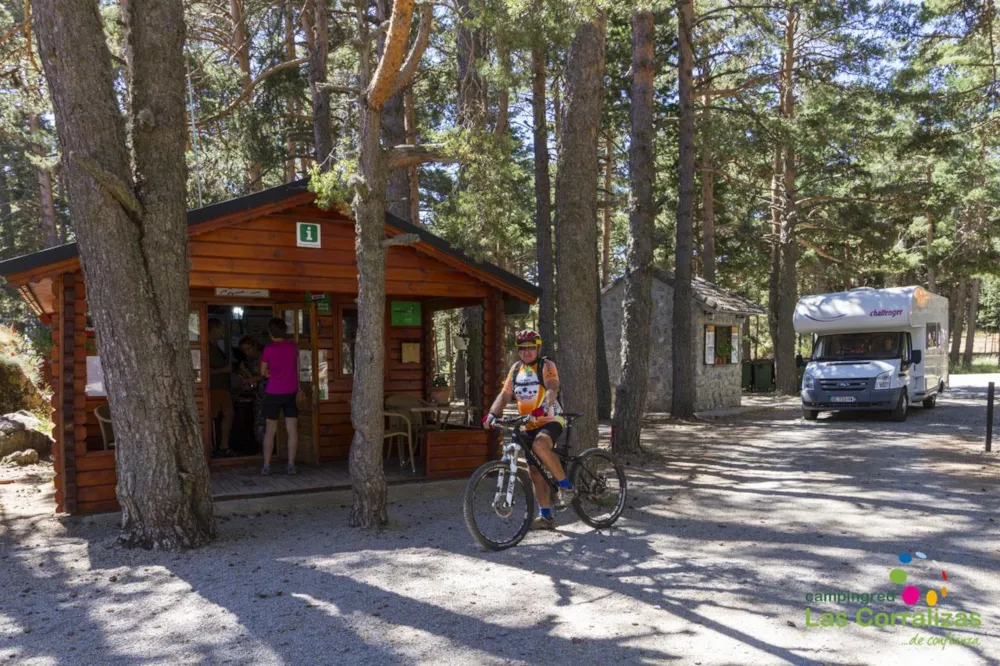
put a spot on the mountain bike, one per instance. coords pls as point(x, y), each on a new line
point(499, 502)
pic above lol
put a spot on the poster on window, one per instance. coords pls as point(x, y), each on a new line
point(324, 380)
point(735, 353)
point(709, 344)
point(95, 376)
point(305, 365)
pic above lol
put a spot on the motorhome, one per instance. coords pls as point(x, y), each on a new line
point(874, 349)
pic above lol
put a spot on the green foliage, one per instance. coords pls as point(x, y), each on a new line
point(21, 382)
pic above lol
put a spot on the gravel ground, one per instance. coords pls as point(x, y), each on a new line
point(731, 524)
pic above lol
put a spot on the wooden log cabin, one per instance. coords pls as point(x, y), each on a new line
point(275, 253)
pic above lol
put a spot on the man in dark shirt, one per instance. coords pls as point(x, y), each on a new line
point(220, 397)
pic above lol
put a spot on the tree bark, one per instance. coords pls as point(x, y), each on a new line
point(543, 202)
point(291, 107)
point(46, 197)
point(317, 26)
point(630, 394)
point(957, 321)
point(604, 396)
point(472, 100)
point(970, 339)
point(6, 223)
point(412, 172)
point(707, 191)
point(785, 288)
point(367, 474)
point(576, 226)
point(503, 94)
point(683, 388)
point(241, 50)
point(394, 134)
point(131, 227)
point(929, 258)
point(609, 156)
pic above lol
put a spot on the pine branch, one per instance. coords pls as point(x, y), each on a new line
point(407, 155)
point(249, 89)
point(402, 239)
point(417, 51)
point(120, 191)
point(389, 64)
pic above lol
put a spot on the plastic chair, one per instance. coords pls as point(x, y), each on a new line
point(398, 426)
point(103, 414)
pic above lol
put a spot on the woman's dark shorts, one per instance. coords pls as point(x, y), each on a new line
point(274, 403)
point(553, 429)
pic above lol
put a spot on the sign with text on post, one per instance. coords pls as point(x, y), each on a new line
point(307, 234)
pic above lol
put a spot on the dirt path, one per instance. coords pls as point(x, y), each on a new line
point(730, 527)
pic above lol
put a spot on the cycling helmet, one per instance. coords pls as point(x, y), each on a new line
point(528, 338)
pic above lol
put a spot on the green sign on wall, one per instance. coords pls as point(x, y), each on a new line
point(405, 313)
point(324, 302)
point(307, 234)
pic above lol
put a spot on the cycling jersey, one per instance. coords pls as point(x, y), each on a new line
point(528, 390)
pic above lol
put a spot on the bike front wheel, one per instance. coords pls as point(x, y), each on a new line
point(493, 521)
point(600, 488)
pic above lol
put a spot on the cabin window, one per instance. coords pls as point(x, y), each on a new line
point(933, 335)
point(720, 342)
point(348, 333)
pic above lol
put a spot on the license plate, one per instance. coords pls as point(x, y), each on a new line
point(844, 398)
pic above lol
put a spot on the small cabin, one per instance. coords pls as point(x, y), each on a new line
point(717, 317)
point(275, 254)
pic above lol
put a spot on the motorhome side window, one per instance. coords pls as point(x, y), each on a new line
point(933, 335)
point(859, 346)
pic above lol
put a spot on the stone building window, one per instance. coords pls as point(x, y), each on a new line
point(721, 345)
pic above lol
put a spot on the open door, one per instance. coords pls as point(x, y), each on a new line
point(198, 342)
point(300, 322)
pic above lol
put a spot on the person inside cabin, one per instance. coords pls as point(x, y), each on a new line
point(279, 364)
point(253, 382)
point(220, 397)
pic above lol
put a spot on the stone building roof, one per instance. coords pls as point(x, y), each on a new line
point(710, 295)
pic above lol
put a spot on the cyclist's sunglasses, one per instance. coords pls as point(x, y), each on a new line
point(526, 347)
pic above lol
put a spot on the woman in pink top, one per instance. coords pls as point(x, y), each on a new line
point(280, 364)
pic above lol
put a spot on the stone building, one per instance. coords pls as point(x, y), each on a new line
point(716, 324)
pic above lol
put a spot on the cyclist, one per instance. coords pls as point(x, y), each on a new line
point(534, 382)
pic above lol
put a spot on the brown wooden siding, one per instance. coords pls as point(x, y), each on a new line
point(457, 452)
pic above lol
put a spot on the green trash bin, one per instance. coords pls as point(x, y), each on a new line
point(747, 381)
point(763, 375)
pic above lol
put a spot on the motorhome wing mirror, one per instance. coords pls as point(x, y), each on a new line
point(916, 356)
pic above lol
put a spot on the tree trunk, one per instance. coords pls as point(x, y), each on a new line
point(317, 25)
point(576, 226)
point(929, 258)
point(394, 134)
point(630, 394)
point(785, 287)
point(241, 51)
point(609, 156)
point(604, 397)
point(543, 202)
point(472, 102)
point(503, 94)
point(291, 107)
point(46, 198)
point(745, 351)
point(970, 339)
point(557, 116)
point(6, 223)
point(132, 236)
point(707, 192)
point(413, 172)
point(683, 389)
point(957, 320)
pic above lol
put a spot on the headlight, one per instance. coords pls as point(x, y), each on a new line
point(808, 382)
point(882, 381)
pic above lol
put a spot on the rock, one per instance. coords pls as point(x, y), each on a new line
point(21, 431)
point(28, 457)
point(18, 392)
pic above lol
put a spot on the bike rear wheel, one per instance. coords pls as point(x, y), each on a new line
point(600, 488)
point(490, 520)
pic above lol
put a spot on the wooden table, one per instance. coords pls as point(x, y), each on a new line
point(436, 410)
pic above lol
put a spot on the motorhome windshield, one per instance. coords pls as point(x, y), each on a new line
point(850, 346)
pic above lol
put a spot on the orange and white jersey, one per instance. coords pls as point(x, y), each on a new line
point(528, 389)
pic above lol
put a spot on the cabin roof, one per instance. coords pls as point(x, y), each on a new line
point(708, 294)
point(272, 200)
